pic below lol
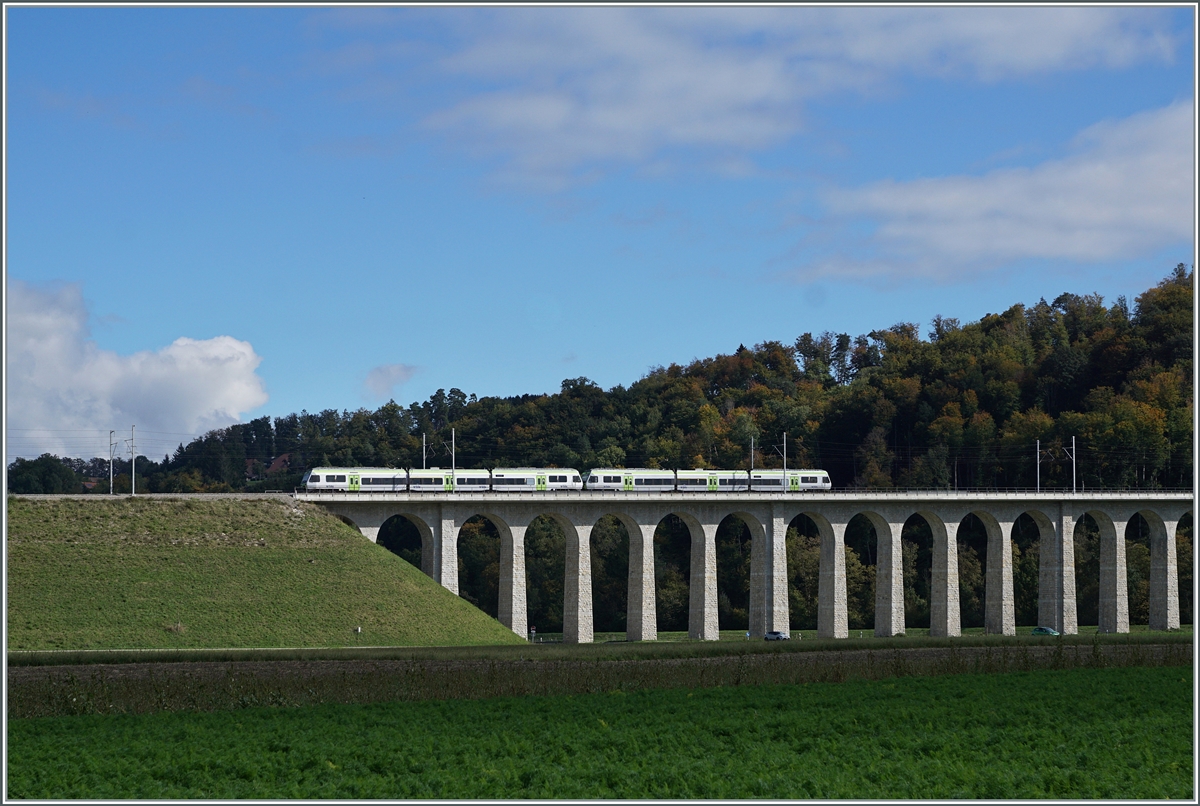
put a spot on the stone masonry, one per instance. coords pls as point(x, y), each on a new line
point(438, 518)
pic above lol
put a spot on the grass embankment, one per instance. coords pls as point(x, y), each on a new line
point(139, 573)
point(1085, 733)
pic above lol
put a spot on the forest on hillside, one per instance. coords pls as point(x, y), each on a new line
point(961, 406)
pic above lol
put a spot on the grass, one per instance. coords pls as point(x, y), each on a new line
point(174, 574)
point(1084, 733)
point(669, 646)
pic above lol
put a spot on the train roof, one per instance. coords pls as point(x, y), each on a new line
point(641, 471)
point(359, 470)
point(535, 470)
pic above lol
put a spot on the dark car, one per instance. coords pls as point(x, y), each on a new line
point(775, 636)
point(1044, 631)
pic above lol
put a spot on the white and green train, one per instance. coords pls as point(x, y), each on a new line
point(550, 479)
point(645, 480)
point(441, 479)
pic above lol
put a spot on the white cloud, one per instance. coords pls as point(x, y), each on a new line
point(61, 385)
point(1125, 190)
point(568, 92)
point(382, 380)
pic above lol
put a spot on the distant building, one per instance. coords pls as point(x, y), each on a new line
point(255, 470)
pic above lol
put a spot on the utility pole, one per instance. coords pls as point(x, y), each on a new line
point(1038, 450)
point(785, 461)
point(453, 461)
point(1072, 463)
point(111, 453)
point(423, 450)
point(132, 460)
point(751, 454)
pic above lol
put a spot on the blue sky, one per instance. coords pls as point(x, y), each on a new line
point(216, 213)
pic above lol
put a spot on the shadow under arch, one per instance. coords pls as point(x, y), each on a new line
point(1101, 599)
point(576, 574)
point(803, 549)
point(409, 537)
point(1055, 571)
point(673, 547)
point(614, 539)
point(733, 543)
point(482, 547)
point(760, 610)
point(346, 519)
point(872, 574)
point(917, 551)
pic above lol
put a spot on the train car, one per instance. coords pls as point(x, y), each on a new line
point(472, 481)
point(535, 479)
point(355, 479)
point(774, 481)
point(431, 480)
point(631, 479)
point(733, 481)
point(791, 481)
point(605, 478)
point(814, 480)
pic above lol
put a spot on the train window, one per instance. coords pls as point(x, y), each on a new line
point(808, 480)
point(313, 479)
point(612, 479)
point(575, 479)
point(336, 478)
point(593, 479)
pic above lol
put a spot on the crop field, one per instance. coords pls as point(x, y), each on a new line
point(181, 573)
point(1084, 733)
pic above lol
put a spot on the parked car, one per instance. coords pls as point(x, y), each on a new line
point(1044, 631)
point(774, 635)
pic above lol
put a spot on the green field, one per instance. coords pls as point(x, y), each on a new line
point(128, 572)
point(1087, 733)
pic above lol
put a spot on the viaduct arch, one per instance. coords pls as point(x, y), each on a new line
point(439, 517)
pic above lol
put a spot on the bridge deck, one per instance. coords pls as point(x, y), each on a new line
point(757, 497)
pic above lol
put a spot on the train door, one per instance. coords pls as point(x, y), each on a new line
point(793, 483)
point(448, 484)
point(627, 482)
point(712, 482)
point(355, 483)
point(539, 483)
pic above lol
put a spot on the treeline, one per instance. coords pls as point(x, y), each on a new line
point(963, 406)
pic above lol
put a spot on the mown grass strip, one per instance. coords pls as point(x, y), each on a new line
point(1087, 733)
point(607, 650)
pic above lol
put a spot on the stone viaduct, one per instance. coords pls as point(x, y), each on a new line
point(439, 516)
